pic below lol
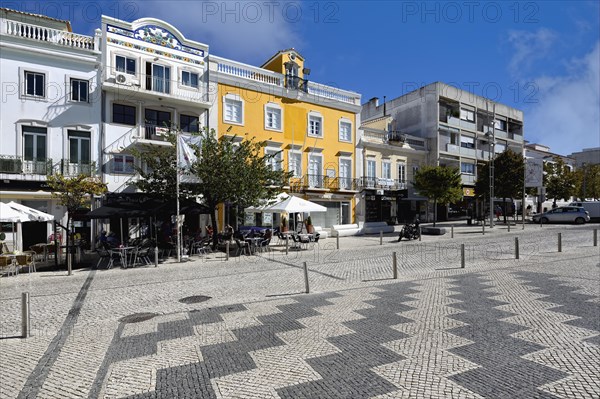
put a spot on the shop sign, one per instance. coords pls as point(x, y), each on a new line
point(468, 192)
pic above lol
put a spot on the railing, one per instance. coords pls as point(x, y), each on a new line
point(333, 93)
point(76, 168)
point(245, 71)
point(37, 166)
point(381, 183)
point(154, 132)
point(344, 183)
point(48, 35)
point(315, 181)
point(9, 164)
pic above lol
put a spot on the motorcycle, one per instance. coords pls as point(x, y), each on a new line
point(410, 231)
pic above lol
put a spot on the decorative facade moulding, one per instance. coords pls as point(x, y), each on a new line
point(155, 35)
point(153, 51)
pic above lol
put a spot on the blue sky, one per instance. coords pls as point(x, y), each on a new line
point(538, 56)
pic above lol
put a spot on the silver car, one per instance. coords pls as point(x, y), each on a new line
point(563, 214)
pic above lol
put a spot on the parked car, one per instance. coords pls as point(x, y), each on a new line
point(593, 208)
point(563, 214)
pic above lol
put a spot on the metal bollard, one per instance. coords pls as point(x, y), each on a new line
point(419, 233)
point(451, 231)
point(483, 228)
point(287, 244)
point(462, 256)
point(559, 242)
point(69, 262)
point(337, 241)
point(394, 266)
point(516, 247)
point(380, 237)
point(509, 227)
point(595, 237)
point(227, 250)
point(306, 277)
point(25, 315)
point(155, 256)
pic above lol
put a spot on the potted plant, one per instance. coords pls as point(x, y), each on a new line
point(309, 226)
point(284, 224)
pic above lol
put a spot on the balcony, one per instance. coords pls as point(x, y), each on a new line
point(468, 179)
point(75, 168)
point(278, 80)
point(155, 87)
point(47, 35)
point(374, 183)
point(36, 166)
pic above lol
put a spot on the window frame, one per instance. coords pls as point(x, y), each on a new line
point(464, 171)
point(190, 86)
point(370, 162)
point(389, 169)
point(345, 121)
point(467, 115)
point(126, 69)
point(124, 162)
point(80, 136)
point(125, 106)
point(401, 167)
point(299, 166)
point(230, 99)
point(273, 106)
point(35, 135)
point(44, 75)
point(345, 182)
point(276, 163)
point(72, 91)
point(315, 115)
point(191, 117)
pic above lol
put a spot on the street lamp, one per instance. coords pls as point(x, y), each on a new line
point(491, 154)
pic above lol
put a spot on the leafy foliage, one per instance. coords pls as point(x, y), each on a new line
point(509, 168)
point(439, 184)
point(558, 180)
point(587, 182)
point(75, 192)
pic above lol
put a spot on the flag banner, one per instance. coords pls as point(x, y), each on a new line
point(186, 155)
point(534, 172)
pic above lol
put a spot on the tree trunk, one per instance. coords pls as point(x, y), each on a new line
point(213, 223)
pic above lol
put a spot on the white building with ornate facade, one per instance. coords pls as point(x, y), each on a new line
point(50, 120)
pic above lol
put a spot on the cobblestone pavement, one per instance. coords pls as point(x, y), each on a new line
point(498, 328)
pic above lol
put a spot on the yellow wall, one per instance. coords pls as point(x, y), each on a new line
point(294, 129)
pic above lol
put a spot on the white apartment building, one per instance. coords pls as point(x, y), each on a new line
point(50, 119)
point(461, 129)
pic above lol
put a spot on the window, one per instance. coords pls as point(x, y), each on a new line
point(345, 173)
point(467, 142)
point(315, 124)
point(500, 124)
point(79, 147)
point(467, 115)
point(189, 123)
point(35, 84)
point(467, 168)
point(272, 117)
point(79, 90)
point(295, 163)
point(124, 114)
point(273, 158)
point(157, 118)
point(158, 78)
point(123, 164)
point(34, 143)
point(402, 172)
point(315, 170)
point(371, 169)
point(345, 133)
point(386, 170)
point(189, 79)
point(233, 109)
point(125, 64)
point(499, 148)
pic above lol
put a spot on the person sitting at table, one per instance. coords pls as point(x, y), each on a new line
point(209, 231)
point(112, 240)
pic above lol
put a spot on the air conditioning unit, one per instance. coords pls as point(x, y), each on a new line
point(123, 79)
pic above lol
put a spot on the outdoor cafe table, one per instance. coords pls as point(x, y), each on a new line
point(123, 252)
point(254, 243)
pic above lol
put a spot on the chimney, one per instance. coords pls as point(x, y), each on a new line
point(383, 105)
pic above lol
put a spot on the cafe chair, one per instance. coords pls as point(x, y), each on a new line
point(26, 260)
point(7, 266)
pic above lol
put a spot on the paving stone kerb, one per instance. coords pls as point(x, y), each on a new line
point(279, 345)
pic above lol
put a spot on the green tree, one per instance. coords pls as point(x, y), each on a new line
point(559, 180)
point(226, 171)
point(587, 182)
point(74, 193)
point(509, 168)
point(235, 172)
point(439, 184)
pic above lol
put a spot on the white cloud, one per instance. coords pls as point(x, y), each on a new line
point(248, 31)
point(529, 47)
point(567, 115)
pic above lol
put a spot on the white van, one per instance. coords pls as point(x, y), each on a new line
point(593, 208)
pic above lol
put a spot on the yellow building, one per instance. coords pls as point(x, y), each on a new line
point(311, 126)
